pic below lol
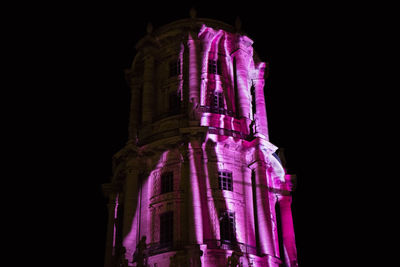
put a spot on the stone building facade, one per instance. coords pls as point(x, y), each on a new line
point(198, 182)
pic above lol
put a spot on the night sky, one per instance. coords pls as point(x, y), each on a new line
point(299, 43)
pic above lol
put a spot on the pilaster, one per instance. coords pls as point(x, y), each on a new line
point(195, 160)
point(289, 242)
point(185, 187)
point(262, 209)
point(194, 75)
point(261, 112)
point(243, 57)
point(134, 115)
point(148, 88)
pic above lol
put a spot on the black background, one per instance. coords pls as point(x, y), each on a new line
point(88, 47)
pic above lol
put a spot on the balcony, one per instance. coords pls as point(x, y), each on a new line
point(226, 132)
point(216, 110)
point(227, 245)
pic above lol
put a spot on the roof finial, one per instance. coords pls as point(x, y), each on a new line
point(149, 28)
point(238, 24)
point(193, 13)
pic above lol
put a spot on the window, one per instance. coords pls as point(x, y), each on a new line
point(167, 182)
point(253, 99)
point(175, 68)
point(227, 227)
point(217, 102)
point(225, 180)
point(166, 228)
point(174, 102)
point(214, 66)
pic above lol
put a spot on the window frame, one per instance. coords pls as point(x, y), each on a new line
point(227, 225)
point(225, 180)
point(166, 228)
point(167, 182)
point(217, 102)
point(174, 102)
point(214, 67)
point(175, 68)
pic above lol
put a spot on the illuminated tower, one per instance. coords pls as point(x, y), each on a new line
point(198, 182)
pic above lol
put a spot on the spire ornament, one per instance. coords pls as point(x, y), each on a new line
point(238, 24)
point(193, 13)
point(149, 28)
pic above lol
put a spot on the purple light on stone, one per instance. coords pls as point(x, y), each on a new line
point(230, 137)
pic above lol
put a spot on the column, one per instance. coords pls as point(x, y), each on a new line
point(130, 221)
point(110, 245)
point(289, 242)
point(243, 60)
point(194, 255)
point(249, 211)
point(261, 112)
point(184, 187)
point(148, 88)
point(195, 219)
point(262, 209)
point(203, 68)
point(194, 83)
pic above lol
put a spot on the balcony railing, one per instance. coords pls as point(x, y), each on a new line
point(158, 248)
point(227, 245)
point(222, 131)
point(216, 110)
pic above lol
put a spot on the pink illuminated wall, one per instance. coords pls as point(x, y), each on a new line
point(221, 128)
